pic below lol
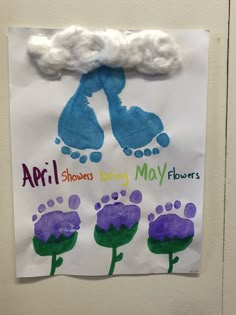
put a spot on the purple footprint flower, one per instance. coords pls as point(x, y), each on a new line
point(169, 233)
point(56, 231)
point(117, 223)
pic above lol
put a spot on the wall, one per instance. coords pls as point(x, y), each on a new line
point(156, 294)
point(230, 215)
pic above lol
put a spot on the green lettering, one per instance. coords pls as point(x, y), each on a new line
point(152, 174)
point(161, 173)
point(141, 171)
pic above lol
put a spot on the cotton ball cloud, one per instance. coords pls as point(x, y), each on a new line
point(153, 52)
point(81, 50)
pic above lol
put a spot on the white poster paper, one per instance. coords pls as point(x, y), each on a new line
point(108, 167)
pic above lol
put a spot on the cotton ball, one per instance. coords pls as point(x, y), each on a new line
point(82, 46)
point(155, 52)
point(78, 49)
point(68, 37)
point(86, 52)
point(38, 46)
point(114, 52)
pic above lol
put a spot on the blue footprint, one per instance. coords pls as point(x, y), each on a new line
point(133, 128)
point(78, 126)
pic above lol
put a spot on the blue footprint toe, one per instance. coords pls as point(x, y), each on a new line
point(75, 155)
point(66, 150)
point(163, 140)
point(83, 159)
point(147, 152)
point(155, 151)
point(127, 151)
point(138, 154)
point(95, 157)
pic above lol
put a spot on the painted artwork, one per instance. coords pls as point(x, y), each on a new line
point(108, 150)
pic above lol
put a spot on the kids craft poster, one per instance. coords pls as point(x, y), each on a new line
point(108, 166)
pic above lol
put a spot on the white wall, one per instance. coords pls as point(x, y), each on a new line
point(230, 213)
point(157, 294)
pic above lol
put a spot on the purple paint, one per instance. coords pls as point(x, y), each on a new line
point(114, 196)
point(118, 214)
point(57, 223)
point(54, 163)
point(159, 209)
point(136, 196)
point(105, 199)
point(190, 210)
point(151, 217)
point(34, 217)
point(41, 208)
point(168, 206)
point(97, 206)
point(74, 202)
point(59, 200)
point(170, 226)
point(177, 204)
point(39, 176)
point(50, 203)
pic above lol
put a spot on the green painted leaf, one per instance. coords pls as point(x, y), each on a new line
point(59, 262)
point(54, 246)
point(114, 238)
point(119, 257)
point(167, 245)
point(175, 260)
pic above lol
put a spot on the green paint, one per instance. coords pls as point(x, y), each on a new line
point(54, 247)
point(114, 238)
point(151, 173)
point(141, 171)
point(161, 172)
point(55, 264)
point(172, 262)
point(115, 258)
point(169, 246)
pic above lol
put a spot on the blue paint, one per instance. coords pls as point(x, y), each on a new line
point(66, 150)
point(163, 139)
point(75, 155)
point(83, 159)
point(155, 151)
point(134, 127)
point(78, 126)
point(138, 154)
point(95, 157)
point(147, 152)
point(127, 151)
point(57, 141)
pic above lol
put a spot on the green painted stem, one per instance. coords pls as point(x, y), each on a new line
point(56, 262)
point(113, 261)
point(53, 264)
point(172, 262)
point(115, 258)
